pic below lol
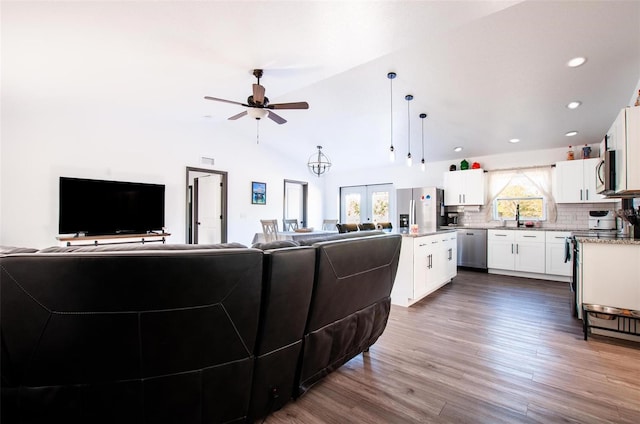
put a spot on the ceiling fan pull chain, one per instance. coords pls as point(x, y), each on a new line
point(258, 131)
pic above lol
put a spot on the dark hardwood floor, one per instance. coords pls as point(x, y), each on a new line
point(485, 349)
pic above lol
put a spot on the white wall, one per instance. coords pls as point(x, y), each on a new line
point(40, 144)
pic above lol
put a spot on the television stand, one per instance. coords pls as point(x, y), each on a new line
point(112, 239)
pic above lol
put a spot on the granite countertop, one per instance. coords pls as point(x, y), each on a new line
point(496, 227)
point(422, 233)
point(609, 240)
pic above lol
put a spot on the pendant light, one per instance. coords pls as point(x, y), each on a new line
point(423, 166)
point(408, 98)
point(319, 163)
point(392, 153)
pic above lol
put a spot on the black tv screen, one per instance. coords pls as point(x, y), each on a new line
point(97, 207)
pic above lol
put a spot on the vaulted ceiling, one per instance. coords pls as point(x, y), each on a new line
point(484, 71)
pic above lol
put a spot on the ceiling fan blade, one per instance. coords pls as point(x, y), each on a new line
point(276, 118)
point(258, 94)
point(240, 115)
point(296, 105)
point(223, 100)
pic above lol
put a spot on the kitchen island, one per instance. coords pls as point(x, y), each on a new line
point(428, 261)
point(609, 276)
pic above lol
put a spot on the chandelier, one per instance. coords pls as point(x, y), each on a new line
point(319, 163)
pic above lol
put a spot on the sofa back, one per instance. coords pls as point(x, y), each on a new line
point(160, 335)
point(350, 303)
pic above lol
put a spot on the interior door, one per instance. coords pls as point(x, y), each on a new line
point(295, 202)
point(208, 209)
point(206, 206)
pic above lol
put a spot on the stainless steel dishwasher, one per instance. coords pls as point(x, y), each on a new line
point(472, 248)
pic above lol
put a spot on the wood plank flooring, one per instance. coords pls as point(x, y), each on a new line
point(485, 349)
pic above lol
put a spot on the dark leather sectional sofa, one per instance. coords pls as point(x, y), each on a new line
point(182, 333)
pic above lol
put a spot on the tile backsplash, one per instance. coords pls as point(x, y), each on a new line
point(569, 216)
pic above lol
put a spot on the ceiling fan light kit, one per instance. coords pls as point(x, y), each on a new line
point(258, 106)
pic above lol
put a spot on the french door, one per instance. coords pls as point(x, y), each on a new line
point(366, 203)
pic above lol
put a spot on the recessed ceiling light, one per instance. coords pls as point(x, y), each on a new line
point(514, 140)
point(571, 133)
point(457, 149)
point(576, 61)
point(574, 105)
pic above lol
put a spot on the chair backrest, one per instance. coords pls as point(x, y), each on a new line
point(386, 226)
point(364, 226)
point(347, 228)
point(329, 224)
point(290, 224)
point(269, 229)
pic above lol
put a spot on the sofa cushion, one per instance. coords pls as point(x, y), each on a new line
point(278, 244)
point(9, 250)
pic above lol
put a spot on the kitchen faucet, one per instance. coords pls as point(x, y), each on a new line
point(518, 223)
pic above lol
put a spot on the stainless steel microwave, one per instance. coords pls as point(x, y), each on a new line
point(606, 173)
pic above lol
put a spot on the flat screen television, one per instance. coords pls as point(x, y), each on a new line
point(98, 207)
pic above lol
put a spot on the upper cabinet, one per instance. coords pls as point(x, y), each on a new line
point(575, 182)
point(624, 139)
point(466, 187)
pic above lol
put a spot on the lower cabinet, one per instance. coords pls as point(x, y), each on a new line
point(516, 250)
point(426, 264)
point(556, 250)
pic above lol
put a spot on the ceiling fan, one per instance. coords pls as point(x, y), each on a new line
point(258, 105)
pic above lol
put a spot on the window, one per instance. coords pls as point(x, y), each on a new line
point(528, 189)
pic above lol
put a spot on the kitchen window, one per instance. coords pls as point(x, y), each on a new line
point(529, 188)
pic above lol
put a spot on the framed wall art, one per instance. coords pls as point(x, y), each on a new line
point(258, 193)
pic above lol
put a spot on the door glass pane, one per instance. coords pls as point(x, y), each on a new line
point(353, 203)
point(380, 205)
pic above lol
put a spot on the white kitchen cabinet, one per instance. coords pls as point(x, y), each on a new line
point(575, 182)
point(426, 263)
point(516, 250)
point(555, 253)
point(624, 138)
point(610, 274)
point(500, 249)
point(466, 187)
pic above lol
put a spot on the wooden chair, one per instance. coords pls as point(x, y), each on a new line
point(347, 228)
point(290, 224)
point(269, 229)
point(329, 224)
point(365, 226)
point(384, 226)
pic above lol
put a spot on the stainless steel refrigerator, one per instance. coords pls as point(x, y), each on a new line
point(423, 206)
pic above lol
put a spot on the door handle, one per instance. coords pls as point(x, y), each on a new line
point(580, 194)
point(517, 249)
point(587, 197)
point(500, 235)
point(512, 248)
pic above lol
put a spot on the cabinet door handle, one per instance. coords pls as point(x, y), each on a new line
point(450, 254)
point(434, 242)
point(587, 191)
point(423, 244)
point(512, 248)
point(500, 235)
point(517, 246)
point(580, 194)
point(531, 236)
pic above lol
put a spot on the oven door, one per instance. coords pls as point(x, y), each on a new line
point(606, 173)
